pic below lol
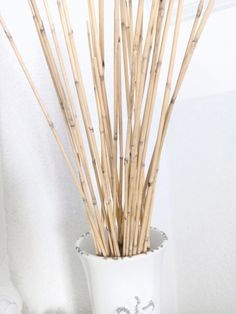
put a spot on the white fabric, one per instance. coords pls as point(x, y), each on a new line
point(6, 307)
point(10, 301)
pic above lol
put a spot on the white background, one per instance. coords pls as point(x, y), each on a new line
point(196, 200)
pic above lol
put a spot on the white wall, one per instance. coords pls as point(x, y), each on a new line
point(195, 200)
point(201, 152)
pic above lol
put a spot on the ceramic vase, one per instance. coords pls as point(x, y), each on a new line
point(127, 285)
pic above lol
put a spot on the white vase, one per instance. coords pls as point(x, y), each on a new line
point(128, 285)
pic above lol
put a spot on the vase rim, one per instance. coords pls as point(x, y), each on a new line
point(154, 249)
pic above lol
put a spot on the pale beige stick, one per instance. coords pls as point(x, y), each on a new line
point(161, 124)
point(193, 40)
point(147, 242)
point(124, 27)
point(132, 172)
point(136, 128)
point(135, 137)
point(95, 38)
point(68, 33)
point(126, 190)
point(86, 114)
point(153, 85)
point(151, 98)
point(138, 65)
point(101, 44)
point(180, 78)
point(123, 161)
point(187, 59)
point(104, 117)
point(117, 193)
point(53, 129)
point(141, 165)
point(104, 153)
point(126, 43)
point(48, 54)
point(127, 146)
point(121, 144)
point(101, 30)
point(62, 98)
point(133, 78)
point(195, 24)
point(98, 99)
point(116, 112)
point(79, 84)
point(81, 94)
point(143, 64)
point(69, 119)
point(59, 56)
point(125, 12)
point(94, 32)
point(131, 26)
point(75, 130)
point(97, 91)
point(151, 95)
point(135, 48)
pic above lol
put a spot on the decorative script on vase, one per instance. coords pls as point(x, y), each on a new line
point(138, 309)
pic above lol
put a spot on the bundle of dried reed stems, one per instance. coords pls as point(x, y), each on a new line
point(120, 215)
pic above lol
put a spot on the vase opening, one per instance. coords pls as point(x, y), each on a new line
point(84, 245)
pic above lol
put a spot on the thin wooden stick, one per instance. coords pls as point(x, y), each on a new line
point(120, 224)
point(73, 56)
point(116, 112)
point(121, 143)
point(54, 132)
point(131, 25)
point(101, 30)
point(77, 142)
point(98, 96)
point(95, 37)
point(124, 30)
point(177, 87)
point(133, 81)
point(67, 110)
point(185, 64)
point(157, 57)
point(161, 123)
point(136, 131)
point(153, 85)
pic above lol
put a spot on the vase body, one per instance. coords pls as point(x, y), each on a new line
point(128, 285)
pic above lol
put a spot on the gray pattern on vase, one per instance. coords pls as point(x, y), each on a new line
point(150, 307)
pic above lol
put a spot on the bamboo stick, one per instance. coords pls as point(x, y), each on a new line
point(95, 38)
point(133, 80)
point(73, 56)
point(131, 31)
point(193, 39)
point(152, 86)
point(126, 193)
point(161, 123)
point(136, 131)
point(68, 110)
point(54, 132)
point(101, 30)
